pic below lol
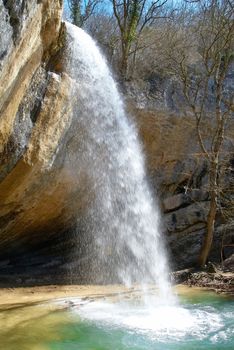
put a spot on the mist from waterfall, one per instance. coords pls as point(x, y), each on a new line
point(122, 221)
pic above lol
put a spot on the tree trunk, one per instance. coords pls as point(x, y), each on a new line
point(134, 59)
point(124, 67)
point(208, 240)
point(124, 61)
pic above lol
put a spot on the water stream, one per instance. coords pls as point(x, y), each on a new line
point(122, 220)
point(203, 321)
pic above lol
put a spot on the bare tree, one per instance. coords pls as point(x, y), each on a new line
point(102, 27)
point(204, 81)
point(81, 10)
point(132, 17)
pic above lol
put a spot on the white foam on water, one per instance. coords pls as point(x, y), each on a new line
point(161, 323)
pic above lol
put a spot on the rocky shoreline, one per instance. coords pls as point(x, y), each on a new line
point(215, 280)
point(9, 297)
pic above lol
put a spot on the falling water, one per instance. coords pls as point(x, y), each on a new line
point(122, 220)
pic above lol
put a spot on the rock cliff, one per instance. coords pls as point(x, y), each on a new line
point(178, 175)
point(34, 187)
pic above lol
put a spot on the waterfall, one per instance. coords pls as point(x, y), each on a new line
point(122, 221)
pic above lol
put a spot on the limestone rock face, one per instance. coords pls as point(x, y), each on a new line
point(34, 122)
point(22, 52)
point(42, 190)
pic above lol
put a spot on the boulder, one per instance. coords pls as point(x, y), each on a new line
point(184, 247)
point(228, 264)
point(183, 218)
point(184, 199)
point(181, 276)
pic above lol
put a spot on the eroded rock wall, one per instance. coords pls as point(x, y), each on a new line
point(42, 188)
point(179, 177)
point(34, 121)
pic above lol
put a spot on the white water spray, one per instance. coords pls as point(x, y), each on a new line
point(122, 218)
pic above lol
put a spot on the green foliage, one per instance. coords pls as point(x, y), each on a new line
point(134, 14)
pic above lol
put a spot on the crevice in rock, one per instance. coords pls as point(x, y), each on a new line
point(48, 260)
point(24, 121)
point(57, 59)
point(15, 10)
point(3, 54)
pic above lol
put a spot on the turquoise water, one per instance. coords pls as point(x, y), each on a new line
point(204, 321)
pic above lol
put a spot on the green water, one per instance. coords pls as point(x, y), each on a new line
point(202, 321)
